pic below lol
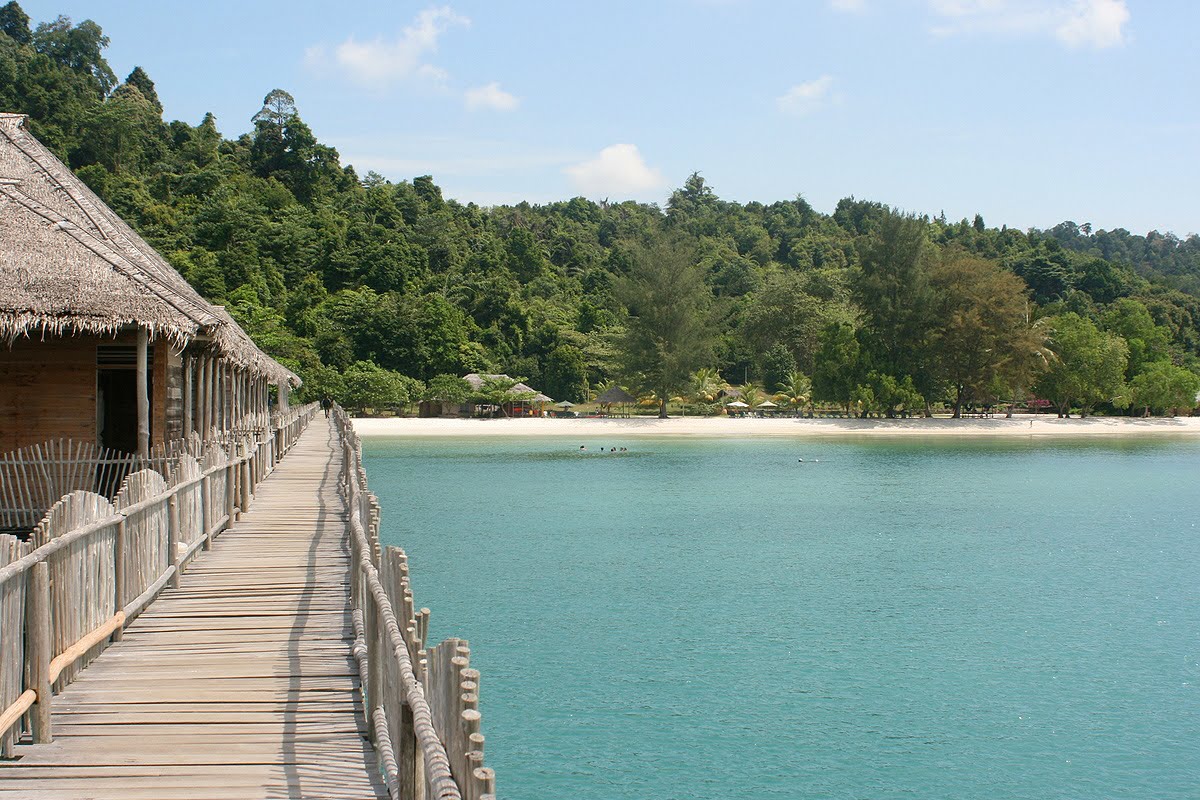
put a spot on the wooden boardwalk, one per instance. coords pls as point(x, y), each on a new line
point(238, 684)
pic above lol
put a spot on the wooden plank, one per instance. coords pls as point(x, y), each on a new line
point(239, 683)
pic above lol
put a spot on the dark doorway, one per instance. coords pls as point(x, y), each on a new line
point(117, 396)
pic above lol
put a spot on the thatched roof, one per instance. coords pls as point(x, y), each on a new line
point(69, 264)
point(615, 395)
point(476, 380)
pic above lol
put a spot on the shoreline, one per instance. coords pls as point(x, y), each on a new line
point(1019, 427)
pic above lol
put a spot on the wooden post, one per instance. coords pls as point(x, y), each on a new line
point(119, 592)
point(173, 537)
point(188, 363)
point(143, 395)
point(37, 629)
point(205, 518)
point(230, 484)
point(284, 392)
point(245, 486)
point(206, 395)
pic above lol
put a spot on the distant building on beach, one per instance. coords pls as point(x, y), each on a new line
point(101, 340)
point(526, 401)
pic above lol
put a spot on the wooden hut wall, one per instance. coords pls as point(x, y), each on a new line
point(172, 381)
point(47, 391)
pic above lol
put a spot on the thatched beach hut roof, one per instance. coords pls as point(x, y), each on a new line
point(615, 395)
point(476, 380)
point(70, 265)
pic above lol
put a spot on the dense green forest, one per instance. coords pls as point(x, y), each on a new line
point(358, 283)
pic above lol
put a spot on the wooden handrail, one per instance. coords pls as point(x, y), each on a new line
point(240, 471)
point(384, 648)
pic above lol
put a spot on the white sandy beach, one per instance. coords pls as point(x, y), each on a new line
point(723, 427)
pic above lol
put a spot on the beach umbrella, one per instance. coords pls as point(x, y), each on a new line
point(565, 404)
point(768, 404)
point(737, 404)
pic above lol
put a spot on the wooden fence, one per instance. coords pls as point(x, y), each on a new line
point(93, 564)
point(33, 478)
point(422, 703)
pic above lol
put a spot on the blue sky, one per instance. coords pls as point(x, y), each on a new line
point(1027, 112)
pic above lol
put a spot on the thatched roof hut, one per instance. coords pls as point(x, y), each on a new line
point(614, 395)
point(70, 265)
point(94, 323)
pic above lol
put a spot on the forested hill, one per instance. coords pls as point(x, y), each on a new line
point(332, 271)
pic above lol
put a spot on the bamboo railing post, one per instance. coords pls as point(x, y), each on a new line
point(229, 496)
point(119, 592)
point(173, 537)
point(205, 522)
point(245, 499)
point(38, 644)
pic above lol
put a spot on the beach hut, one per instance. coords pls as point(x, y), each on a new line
point(525, 400)
point(613, 396)
point(101, 340)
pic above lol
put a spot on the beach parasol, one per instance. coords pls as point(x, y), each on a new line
point(767, 404)
point(565, 404)
point(737, 404)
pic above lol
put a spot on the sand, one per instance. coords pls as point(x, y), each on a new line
point(724, 427)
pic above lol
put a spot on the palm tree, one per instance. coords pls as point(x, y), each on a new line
point(751, 395)
point(706, 385)
point(796, 391)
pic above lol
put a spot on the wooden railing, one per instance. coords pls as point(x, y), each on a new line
point(33, 478)
point(423, 704)
point(92, 565)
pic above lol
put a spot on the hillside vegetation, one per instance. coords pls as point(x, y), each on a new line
point(359, 283)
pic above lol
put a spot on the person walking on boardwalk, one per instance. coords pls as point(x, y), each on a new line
point(326, 403)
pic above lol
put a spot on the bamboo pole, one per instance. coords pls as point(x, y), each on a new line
point(119, 591)
point(37, 629)
point(173, 537)
point(187, 395)
point(143, 395)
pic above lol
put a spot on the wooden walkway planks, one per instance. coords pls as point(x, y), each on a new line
point(238, 684)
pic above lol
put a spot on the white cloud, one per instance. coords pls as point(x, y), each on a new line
point(1097, 23)
point(804, 98)
point(848, 6)
point(380, 62)
point(490, 97)
point(617, 170)
point(1078, 23)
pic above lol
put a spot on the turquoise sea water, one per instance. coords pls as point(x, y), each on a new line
point(900, 619)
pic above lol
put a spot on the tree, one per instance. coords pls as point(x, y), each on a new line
point(795, 391)
point(370, 386)
point(565, 373)
point(706, 386)
point(1163, 386)
point(14, 23)
point(139, 80)
point(838, 365)
point(1089, 367)
point(1148, 343)
point(499, 391)
point(981, 325)
point(777, 365)
point(448, 388)
point(896, 298)
point(669, 331)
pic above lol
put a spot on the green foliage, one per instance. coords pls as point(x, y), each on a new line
point(668, 334)
point(1089, 367)
point(367, 385)
point(1162, 386)
point(449, 388)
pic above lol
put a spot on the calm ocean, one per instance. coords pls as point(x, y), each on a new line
point(888, 619)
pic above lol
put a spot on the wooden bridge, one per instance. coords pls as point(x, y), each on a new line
point(252, 673)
